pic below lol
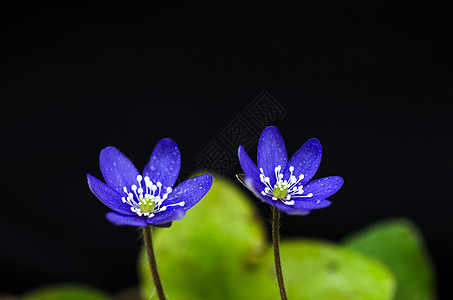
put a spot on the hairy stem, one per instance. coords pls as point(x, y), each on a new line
point(275, 242)
point(152, 262)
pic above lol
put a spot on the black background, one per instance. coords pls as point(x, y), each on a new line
point(371, 81)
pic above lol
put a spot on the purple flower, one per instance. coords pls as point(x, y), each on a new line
point(286, 184)
point(147, 199)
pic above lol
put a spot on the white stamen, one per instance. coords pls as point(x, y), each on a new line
point(288, 202)
point(182, 203)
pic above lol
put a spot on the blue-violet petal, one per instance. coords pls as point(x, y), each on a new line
point(249, 168)
point(305, 161)
point(164, 163)
point(256, 187)
point(121, 220)
point(169, 215)
point(108, 196)
point(306, 204)
point(271, 152)
point(323, 187)
point(117, 169)
point(190, 191)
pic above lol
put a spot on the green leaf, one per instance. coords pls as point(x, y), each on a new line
point(321, 270)
point(219, 251)
point(213, 252)
point(399, 245)
point(66, 292)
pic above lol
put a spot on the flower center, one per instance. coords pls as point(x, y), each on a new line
point(147, 204)
point(283, 190)
point(148, 201)
point(280, 191)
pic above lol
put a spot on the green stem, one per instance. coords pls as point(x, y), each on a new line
point(152, 262)
point(275, 242)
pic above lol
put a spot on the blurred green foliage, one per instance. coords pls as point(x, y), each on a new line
point(219, 251)
point(399, 245)
point(325, 271)
point(66, 292)
point(214, 252)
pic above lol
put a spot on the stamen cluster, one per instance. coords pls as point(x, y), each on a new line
point(283, 190)
point(146, 202)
